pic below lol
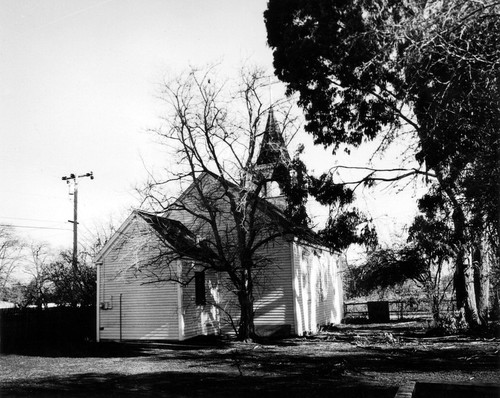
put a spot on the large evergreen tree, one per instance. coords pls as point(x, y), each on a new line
point(367, 68)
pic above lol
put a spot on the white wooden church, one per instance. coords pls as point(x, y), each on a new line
point(300, 289)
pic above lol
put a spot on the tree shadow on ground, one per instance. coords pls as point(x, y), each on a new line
point(252, 369)
point(185, 384)
point(301, 367)
point(55, 349)
point(357, 361)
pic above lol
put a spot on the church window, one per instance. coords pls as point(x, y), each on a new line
point(199, 288)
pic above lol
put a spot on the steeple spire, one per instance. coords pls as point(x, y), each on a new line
point(272, 149)
point(272, 161)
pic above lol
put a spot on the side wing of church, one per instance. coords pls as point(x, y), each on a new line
point(146, 294)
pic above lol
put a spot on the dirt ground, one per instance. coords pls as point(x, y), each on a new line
point(345, 361)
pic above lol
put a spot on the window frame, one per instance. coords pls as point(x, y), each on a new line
point(200, 291)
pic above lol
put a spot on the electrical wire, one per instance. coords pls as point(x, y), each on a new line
point(32, 219)
point(33, 227)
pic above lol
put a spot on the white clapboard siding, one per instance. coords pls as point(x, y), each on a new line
point(229, 310)
point(298, 287)
point(149, 311)
point(274, 293)
point(318, 288)
point(200, 319)
point(328, 309)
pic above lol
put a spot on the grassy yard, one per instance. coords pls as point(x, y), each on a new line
point(348, 361)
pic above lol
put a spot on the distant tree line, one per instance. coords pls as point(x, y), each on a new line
point(33, 274)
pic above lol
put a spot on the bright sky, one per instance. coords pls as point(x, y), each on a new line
point(77, 94)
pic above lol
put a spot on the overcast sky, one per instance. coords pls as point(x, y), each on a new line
point(77, 94)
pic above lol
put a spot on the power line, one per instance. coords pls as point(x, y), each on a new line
point(33, 227)
point(29, 194)
point(33, 219)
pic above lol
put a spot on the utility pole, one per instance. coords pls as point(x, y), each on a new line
point(74, 178)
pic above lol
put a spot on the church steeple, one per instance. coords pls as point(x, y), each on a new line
point(272, 149)
point(272, 161)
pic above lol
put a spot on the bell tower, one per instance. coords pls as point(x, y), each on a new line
point(272, 162)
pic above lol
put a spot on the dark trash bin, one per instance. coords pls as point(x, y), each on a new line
point(378, 312)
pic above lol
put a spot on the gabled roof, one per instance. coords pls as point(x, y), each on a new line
point(271, 210)
point(185, 242)
point(272, 148)
point(288, 227)
point(272, 153)
point(111, 241)
point(172, 232)
point(177, 235)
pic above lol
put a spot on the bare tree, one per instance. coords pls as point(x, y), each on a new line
point(213, 131)
point(11, 255)
point(40, 287)
point(96, 237)
point(70, 288)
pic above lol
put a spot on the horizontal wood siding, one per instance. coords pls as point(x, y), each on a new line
point(295, 285)
point(273, 292)
point(273, 288)
point(200, 319)
point(190, 209)
point(300, 317)
point(148, 310)
point(318, 288)
point(229, 308)
point(329, 305)
point(273, 284)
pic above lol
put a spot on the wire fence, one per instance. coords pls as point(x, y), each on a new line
point(396, 309)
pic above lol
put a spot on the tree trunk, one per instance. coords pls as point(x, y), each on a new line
point(246, 327)
point(465, 289)
point(464, 270)
point(435, 309)
point(482, 259)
